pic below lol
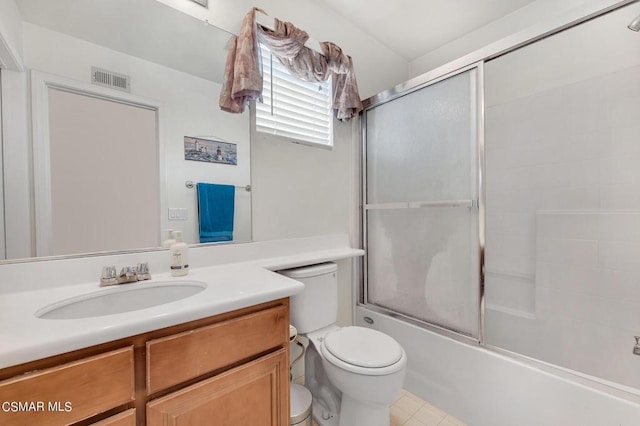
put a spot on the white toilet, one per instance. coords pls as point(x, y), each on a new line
point(353, 373)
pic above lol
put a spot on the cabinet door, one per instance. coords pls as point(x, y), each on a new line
point(69, 393)
point(256, 394)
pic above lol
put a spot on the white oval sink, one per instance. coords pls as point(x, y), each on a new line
point(123, 298)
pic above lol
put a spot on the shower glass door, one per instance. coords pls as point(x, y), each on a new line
point(421, 211)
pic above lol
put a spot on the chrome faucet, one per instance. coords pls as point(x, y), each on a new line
point(128, 274)
point(636, 348)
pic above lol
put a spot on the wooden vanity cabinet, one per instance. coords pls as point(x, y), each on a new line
point(230, 369)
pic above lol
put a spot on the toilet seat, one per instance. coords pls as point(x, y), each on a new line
point(363, 351)
point(363, 347)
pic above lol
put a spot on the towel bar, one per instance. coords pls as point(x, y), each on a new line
point(189, 184)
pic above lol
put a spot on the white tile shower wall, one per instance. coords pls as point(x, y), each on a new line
point(511, 292)
point(587, 286)
point(561, 167)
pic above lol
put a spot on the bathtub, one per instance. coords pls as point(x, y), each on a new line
point(485, 388)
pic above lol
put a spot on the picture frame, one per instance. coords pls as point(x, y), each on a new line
point(210, 150)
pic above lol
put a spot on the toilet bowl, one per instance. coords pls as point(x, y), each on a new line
point(353, 373)
point(366, 366)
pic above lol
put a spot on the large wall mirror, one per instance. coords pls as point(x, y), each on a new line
point(111, 125)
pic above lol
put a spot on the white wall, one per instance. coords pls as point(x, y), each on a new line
point(189, 108)
point(302, 191)
point(10, 35)
point(539, 15)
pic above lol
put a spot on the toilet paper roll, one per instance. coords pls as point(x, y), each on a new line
point(293, 333)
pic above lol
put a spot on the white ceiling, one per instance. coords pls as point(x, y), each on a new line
point(413, 28)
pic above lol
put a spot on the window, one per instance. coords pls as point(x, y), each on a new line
point(292, 108)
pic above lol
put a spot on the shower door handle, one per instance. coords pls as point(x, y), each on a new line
point(422, 204)
point(443, 203)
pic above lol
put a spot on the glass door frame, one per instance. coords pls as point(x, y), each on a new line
point(479, 203)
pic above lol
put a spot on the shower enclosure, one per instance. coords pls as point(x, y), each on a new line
point(501, 202)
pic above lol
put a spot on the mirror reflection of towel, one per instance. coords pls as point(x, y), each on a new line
point(215, 212)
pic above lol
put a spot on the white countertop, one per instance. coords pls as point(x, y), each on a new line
point(25, 337)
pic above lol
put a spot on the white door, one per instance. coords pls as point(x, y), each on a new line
point(103, 165)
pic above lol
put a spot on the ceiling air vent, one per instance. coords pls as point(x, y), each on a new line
point(111, 79)
point(204, 3)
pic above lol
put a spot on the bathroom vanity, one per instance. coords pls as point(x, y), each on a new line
point(219, 354)
point(208, 356)
point(194, 372)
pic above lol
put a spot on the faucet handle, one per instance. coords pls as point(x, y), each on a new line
point(142, 271)
point(108, 276)
point(127, 275)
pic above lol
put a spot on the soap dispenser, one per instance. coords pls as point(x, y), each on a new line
point(179, 256)
point(170, 239)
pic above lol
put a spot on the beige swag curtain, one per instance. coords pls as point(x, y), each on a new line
point(243, 72)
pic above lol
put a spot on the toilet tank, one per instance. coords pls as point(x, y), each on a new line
point(316, 306)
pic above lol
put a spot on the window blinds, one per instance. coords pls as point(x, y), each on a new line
point(293, 108)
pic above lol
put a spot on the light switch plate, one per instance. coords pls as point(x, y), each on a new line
point(177, 214)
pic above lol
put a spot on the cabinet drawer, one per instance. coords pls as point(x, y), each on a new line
point(256, 394)
point(181, 357)
point(70, 392)
point(128, 418)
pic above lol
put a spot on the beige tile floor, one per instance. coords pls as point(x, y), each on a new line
point(410, 410)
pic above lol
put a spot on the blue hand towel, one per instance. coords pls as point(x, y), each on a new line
point(215, 212)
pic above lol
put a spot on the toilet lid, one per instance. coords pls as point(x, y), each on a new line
point(363, 347)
